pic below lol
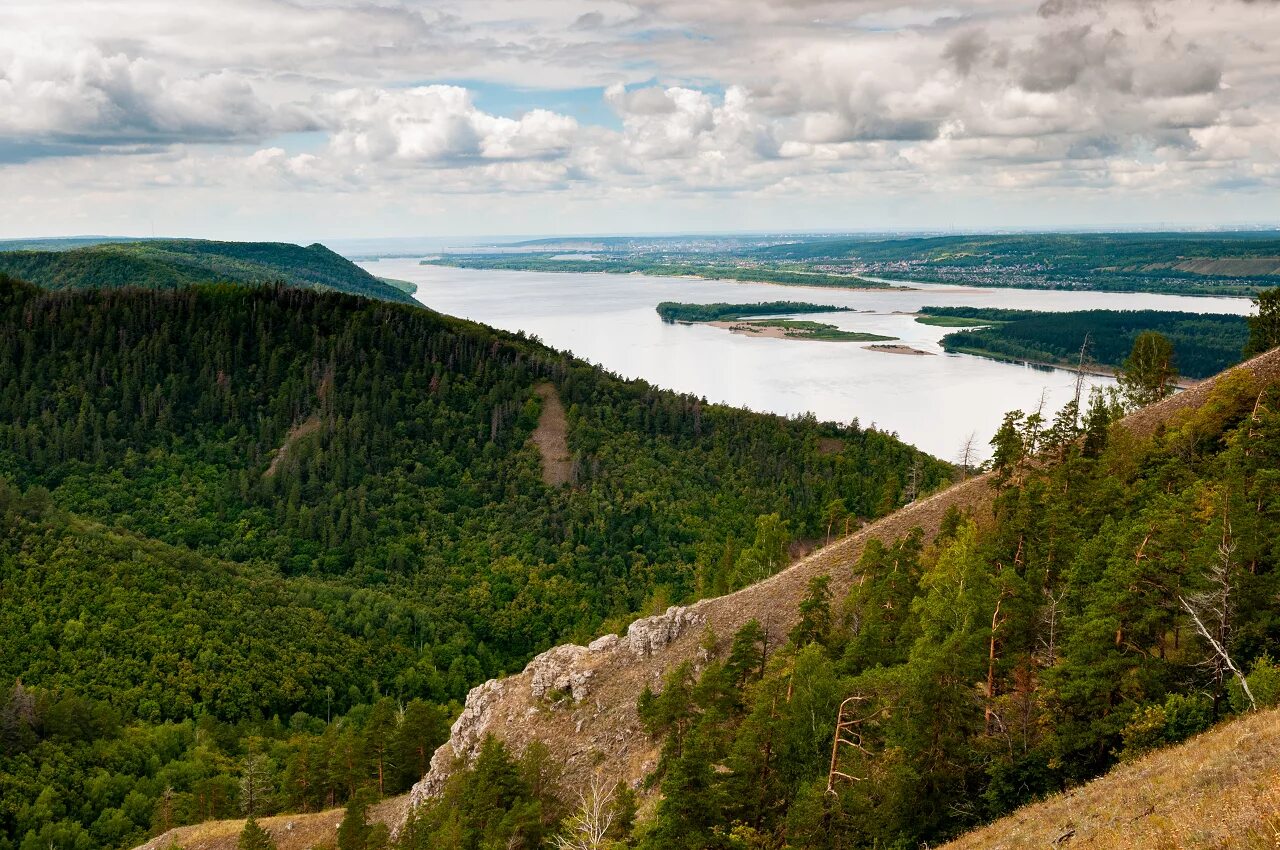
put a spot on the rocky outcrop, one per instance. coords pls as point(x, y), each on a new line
point(556, 687)
point(580, 701)
point(648, 635)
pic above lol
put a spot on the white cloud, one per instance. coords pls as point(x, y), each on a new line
point(101, 98)
point(439, 124)
point(773, 99)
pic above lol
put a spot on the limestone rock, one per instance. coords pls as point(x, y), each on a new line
point(650, 634)
point(559, 671)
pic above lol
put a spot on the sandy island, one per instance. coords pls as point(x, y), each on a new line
point(770, 332)
point(762, 331)
point(900, 349)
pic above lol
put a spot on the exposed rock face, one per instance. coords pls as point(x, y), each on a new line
point(651, 634)
point(556, 673)
point(557, 688)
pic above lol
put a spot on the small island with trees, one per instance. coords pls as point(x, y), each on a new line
point(738, 318)
point(1204, 344)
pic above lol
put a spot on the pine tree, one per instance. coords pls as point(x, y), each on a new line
point(1149, 374)
point(254, 837)
point(1264, 328)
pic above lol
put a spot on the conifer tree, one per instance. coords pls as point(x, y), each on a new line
point(1149, 374)
point(254, 837)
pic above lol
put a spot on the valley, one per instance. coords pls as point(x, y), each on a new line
point(384, 523)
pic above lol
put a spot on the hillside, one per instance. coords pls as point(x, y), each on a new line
point(280, 533)
point(1122, 671)
point(171, 263)
point(1220, 789)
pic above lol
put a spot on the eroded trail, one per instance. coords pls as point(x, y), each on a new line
point(552, 437)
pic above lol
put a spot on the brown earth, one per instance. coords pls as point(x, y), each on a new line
point(1220, 790)
point(1238, 267)
point(899, 349)
point(830, 445)
point(552, 438)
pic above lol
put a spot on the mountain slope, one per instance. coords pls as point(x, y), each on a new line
point(1220, 789)
point(581, 702)
point(170, 263)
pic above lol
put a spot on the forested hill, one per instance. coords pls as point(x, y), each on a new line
point(234, 513)
point(171, 263)
point(1089, 600)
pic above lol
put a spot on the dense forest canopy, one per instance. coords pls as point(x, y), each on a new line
point(1204, 344)
point(1119, 597)
point(172, 263)
point(235, 513)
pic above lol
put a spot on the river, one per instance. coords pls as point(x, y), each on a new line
point(935, 402)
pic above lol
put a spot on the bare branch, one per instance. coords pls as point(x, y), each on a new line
point(1221, 651)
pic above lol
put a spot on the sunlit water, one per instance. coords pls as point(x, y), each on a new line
point(934, 402)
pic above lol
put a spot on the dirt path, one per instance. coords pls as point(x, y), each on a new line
point(552, 438)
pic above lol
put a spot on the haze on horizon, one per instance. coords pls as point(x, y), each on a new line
point(304, 120)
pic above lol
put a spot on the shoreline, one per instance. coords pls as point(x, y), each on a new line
point(884, 287)
point(1182, 383)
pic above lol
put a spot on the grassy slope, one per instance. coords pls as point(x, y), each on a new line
point(1220, 789)
point(290, 832)
point(171, 263)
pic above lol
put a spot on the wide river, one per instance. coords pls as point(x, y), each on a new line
point(934, 402)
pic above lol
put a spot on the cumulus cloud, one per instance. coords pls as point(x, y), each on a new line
point(780, 98)
point(439, 124)
point(97, 98)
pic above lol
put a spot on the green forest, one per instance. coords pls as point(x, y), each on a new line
point(260, 541)
point(171, 263)
point(1204, 344)
point(674, 311)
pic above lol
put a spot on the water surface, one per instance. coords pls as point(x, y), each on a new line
point(935, 402)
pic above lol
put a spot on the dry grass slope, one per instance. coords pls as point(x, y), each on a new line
point(291, 832)
point(1218, 790)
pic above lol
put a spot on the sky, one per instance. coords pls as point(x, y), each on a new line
point(304, 120)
